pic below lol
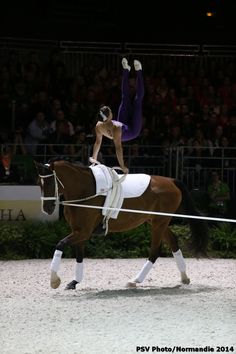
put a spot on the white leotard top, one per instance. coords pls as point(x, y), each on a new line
point(117, 124)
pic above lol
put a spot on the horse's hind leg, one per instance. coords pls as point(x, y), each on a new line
point(78, 268)
point(172, 241)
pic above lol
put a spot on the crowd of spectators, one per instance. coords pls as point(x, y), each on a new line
point(185, 103)
point(189, 102)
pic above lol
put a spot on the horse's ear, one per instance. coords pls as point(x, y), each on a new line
point(51, 165)
point(36, 164)
point(39, 166)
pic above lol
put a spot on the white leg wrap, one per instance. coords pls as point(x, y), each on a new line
point(143, 273)
point(179, 259)
point(55, 264)
point(79, 272)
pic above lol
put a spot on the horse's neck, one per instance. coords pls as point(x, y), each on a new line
point(78, 182)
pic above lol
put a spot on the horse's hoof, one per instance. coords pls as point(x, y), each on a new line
point(99, 230)
point(131, 284)
point(185, 281)
point(71, 285)
point(55, 283)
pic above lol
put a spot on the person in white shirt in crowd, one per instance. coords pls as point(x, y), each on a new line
point(37, 132)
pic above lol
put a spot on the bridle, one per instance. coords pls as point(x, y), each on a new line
point(56, 193)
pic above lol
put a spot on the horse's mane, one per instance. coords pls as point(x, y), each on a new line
point(66, 161)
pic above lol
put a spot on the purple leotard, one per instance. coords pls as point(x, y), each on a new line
point(123, 126)
point(130, 113)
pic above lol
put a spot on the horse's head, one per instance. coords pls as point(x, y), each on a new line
point(49, 189)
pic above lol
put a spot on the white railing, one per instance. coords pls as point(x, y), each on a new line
point(172, 162)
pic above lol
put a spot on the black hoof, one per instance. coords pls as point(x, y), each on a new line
point(71, 285)
point(99, 230)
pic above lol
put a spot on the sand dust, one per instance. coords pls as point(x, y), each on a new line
point(104, 317)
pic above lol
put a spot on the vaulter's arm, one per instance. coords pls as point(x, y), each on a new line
point(97, 144)
point(119, 149)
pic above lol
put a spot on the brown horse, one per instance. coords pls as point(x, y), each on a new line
point(78, 185)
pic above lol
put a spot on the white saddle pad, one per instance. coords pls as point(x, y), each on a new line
point(134, 185)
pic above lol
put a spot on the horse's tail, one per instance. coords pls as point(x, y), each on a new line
point(198, 227)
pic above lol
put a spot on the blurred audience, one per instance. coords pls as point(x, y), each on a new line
point(59, 141)
point(9, 172)
point(37, 132)
point(186, 103)
point(79, 146)
point(219, 195)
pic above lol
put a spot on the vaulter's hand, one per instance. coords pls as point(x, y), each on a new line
point(125, 170)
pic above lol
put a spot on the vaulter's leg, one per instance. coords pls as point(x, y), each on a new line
point(134, 115)
point(55, 280)
point(124, 108)
point(137, 119)
point(78, 268)
point(172, 242)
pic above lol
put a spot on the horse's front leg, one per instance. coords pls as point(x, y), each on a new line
point(78, 268)
point(157, 231)
point(55, 280)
